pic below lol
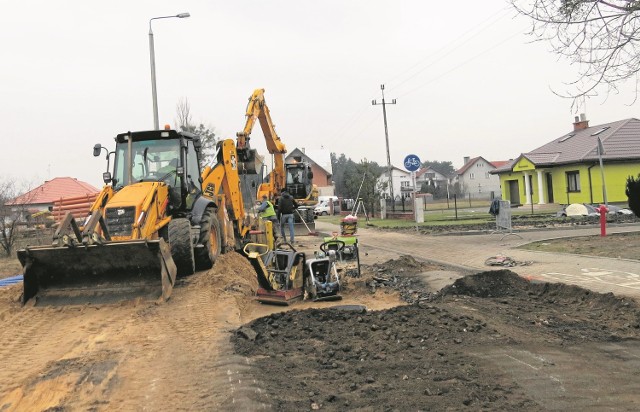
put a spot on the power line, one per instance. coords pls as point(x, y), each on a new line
point(504, 12)
point(461, 64)
point(350, 122)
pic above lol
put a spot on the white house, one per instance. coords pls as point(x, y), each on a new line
point(475, 180)
point(430, 176)
point(401, 182)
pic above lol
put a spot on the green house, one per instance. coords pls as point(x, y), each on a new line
point(568, 169)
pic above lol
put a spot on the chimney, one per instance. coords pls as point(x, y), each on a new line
point(580, 123)
point(466, 160)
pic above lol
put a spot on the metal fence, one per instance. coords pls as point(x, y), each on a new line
point(503, 219)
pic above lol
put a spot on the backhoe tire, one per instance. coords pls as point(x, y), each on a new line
point(181, 246)
point(211, 238)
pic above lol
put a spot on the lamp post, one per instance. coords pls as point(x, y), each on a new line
point(152, 54)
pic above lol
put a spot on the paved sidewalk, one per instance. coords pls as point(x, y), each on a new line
point(620, 276)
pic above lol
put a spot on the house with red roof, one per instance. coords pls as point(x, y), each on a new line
point(51, 194)
point(475, 179)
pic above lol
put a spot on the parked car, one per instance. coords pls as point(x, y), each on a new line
point(323, 208)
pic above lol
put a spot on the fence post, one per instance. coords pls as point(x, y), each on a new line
point(455, 205)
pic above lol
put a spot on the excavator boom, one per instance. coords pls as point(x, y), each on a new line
point(291, 177)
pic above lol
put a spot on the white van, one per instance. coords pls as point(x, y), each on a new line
point(323, 208)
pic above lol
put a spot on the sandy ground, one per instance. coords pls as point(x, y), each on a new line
point(139, 355)
point(510, 345)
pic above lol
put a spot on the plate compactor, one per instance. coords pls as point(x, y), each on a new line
point(285, 275)
point(280, 272)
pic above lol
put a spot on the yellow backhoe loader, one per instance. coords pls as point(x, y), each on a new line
point(160, 215)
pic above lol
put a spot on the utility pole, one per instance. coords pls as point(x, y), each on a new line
point(386, 136)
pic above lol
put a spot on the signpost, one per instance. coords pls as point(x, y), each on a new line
point(412, 164)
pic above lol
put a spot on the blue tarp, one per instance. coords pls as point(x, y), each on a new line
point(11, 281)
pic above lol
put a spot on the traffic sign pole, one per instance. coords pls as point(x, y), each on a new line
point(412, 164)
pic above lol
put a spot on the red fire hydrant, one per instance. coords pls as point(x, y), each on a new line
point(603, 220)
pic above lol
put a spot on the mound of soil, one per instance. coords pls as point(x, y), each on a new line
point(492, 283)
point(424, 356)
point(232, 273)
point(398, 275)
point(405, 358)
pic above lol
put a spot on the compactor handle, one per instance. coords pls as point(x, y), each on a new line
point(254, 250)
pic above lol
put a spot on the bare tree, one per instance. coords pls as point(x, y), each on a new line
point(207, 134)
point(12, 212)
point(600, 37)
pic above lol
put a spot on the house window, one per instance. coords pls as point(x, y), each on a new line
point(472, 176)
point(404, 184)
point(573, 181)
point(430, 175)
point(487, 175)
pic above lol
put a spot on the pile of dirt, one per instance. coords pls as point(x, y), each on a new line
point(231, 274)
point(405, 358)
point(565, 313)
point(489, 284)
point(425, 355)
point(398, 276)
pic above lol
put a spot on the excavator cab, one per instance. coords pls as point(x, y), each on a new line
point(298, 180)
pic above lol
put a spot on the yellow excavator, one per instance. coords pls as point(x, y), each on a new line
point(294, 177)
point(159, 215)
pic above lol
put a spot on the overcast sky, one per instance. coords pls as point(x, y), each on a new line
point(467, 80)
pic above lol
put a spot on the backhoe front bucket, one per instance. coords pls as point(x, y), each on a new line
point(110, 270)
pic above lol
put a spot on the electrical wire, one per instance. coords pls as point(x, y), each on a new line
point(473, 30)
point(479, 28)
point(441, 75)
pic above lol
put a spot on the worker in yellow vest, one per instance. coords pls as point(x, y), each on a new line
point(268, 212)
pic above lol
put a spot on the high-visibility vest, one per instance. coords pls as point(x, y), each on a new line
point(268, 212)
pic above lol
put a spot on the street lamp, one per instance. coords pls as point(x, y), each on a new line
point(152, 54)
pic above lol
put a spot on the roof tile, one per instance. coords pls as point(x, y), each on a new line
point(55, 189)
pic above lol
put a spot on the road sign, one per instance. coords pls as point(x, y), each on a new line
point(412, 163)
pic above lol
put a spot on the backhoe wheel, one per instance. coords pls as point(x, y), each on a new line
point(181, 246)
point(210, 237)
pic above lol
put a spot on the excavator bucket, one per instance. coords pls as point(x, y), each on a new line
point(100, 272)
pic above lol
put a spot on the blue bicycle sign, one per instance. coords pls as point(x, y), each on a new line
point(412, 163)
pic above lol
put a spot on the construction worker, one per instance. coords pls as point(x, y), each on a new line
point(287, 205)
point(268, 212)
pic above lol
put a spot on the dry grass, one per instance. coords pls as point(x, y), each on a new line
point(621, 245)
